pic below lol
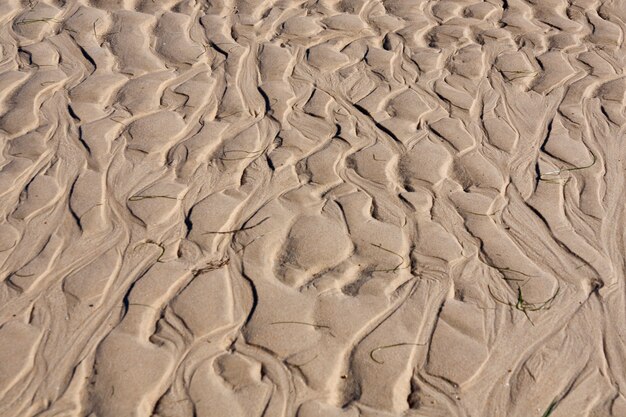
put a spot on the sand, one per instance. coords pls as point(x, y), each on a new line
point(331, 208)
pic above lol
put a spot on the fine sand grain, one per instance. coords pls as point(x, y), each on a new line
point(320, 208)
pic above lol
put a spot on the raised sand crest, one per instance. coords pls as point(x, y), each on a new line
point(321, 208)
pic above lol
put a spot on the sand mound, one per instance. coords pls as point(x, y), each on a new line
point(332, 208)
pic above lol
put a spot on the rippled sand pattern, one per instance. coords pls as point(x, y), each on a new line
point(331, 208)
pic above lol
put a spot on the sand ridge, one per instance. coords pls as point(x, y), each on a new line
point(332, 208)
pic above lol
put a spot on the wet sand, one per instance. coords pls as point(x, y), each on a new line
point(332, 208)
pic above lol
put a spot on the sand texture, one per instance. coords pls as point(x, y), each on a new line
point(321, 208)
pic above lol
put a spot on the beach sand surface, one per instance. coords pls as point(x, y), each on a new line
point(320, 208)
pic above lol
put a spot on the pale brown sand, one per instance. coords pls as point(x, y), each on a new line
point(330, 208)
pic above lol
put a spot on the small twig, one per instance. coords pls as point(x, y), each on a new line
point(523, 305)
point(483, 214)
point(45, 20)
point(211, 266)
point(252, 154)
point(143, 197)
point(117, 121)
point(302, 364)
point(222, 116)
point(514, 270)
point(243, 247)
point(550, 409)
point(224, 232)
point(391, 346)
point(560, 170)
point(399, 266)
point(502, 270)
point(317, 326)
point(143, 305)
point(522, 74)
